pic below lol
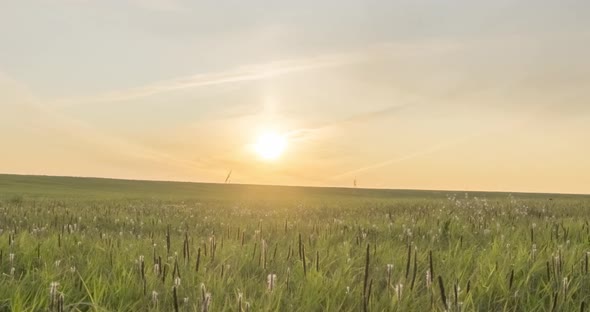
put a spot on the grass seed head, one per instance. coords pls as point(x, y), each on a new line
point(270, 281)
point(155, 297)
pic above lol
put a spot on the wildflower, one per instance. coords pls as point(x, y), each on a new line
point(177, 282)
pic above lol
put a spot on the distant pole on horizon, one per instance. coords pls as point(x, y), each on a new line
point(227, 180)
point(354, 182)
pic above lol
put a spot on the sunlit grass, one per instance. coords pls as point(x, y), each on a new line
point(504, 253)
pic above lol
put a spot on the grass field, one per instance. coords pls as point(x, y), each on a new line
point(79, 244)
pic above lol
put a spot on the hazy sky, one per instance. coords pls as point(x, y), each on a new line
point(476, 95)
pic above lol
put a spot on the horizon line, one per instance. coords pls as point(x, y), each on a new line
point(294, 186)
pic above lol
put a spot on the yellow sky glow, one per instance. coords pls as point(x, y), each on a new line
point(416, 95)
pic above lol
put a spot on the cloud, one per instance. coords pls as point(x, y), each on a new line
point(19, 104)
point(510, 126)
point(424, 152)
point(246, 73)
point(303, 133)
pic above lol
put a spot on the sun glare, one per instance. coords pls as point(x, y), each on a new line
point(270, 145)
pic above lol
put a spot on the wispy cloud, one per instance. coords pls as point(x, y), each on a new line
point(302, 133)
point(449, 143)
point(245, 73)
point(427, 151)
point(82, 134)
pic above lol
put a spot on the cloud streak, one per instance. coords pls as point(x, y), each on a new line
point(254, 72)
point(301, 133)
point(427, 151)
point(507, 126)
point(84, 135)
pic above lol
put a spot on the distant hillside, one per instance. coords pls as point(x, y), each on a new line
point(100, 188)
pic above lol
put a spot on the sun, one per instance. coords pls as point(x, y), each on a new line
point(270, 145)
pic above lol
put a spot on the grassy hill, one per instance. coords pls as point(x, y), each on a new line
point(93, 244)
point(100, 188)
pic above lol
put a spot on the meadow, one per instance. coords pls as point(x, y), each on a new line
point(78, 244)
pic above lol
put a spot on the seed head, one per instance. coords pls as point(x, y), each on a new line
point(399, 288)
point(53, 289)
point(155, 297)
point(270, 281)
point(389, 269)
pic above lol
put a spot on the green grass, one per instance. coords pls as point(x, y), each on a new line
point(89, 235)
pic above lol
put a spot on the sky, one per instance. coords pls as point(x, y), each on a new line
point(453, 95)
